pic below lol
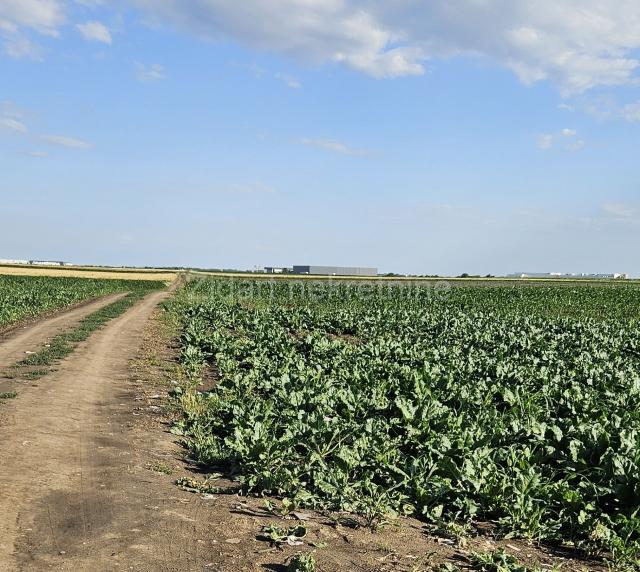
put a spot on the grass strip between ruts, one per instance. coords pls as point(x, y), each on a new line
point(64, 344)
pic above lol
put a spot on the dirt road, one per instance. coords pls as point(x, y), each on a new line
point(31, 337)
point(67, 469)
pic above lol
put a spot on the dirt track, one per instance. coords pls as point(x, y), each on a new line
point(31, 337)
point(65, 456)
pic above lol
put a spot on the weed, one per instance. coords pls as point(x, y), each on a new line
point(161, 468)
point(302, 563)
point(499, 561)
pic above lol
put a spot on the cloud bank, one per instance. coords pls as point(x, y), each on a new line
point(578, 44)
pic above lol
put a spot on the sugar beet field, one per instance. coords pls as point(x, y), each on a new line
point(513, 409)
point(384, 417)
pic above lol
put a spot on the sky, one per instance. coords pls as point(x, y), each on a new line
point(422, 137)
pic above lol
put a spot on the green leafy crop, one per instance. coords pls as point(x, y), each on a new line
point(23, 297)
point(519, 405)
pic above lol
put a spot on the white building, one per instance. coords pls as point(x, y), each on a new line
point(46, 263)
point(583, 276)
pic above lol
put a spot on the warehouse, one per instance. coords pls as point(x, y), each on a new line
point(335, 271)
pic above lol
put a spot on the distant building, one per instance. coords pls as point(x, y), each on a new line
point(335, 271)
point(47, 263)
point(574, 276)
point(275, 270)
point(35, 262)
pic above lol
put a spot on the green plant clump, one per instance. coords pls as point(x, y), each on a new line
point(302, 563)
point(498, 561)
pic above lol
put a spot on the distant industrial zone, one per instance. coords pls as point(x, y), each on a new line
point(617, 276)
point(323, 270)
point(35, 262)
point(356, 271)
point(363, 271)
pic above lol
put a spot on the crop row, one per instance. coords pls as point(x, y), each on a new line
point(27, 297)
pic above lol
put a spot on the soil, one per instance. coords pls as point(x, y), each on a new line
point(20, 339)
point(88, 469)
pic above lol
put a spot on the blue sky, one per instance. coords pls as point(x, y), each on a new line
point(442, 137)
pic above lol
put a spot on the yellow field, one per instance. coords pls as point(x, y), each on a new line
point(88, 272)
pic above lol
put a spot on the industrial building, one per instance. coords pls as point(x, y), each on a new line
point(620, 276)
point(335, 271)
point(48, 263)
point(35, 262)
point(275, 270)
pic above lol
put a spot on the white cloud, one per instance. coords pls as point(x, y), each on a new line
point(607, 107)
point(545, 141)
point(45, 16)
point(10, 109)
point(69, 142)
point(618, 210)
point(13, 125)
point(577, 145)
point(148, 74)
point(95, 31)
point(18, 47)
point(259, 73)
point(17, 16)
point(290, 81)
point(311, 30)
point(11, 118)
point(631, 112)
point(578, 44)
point(334, 146)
